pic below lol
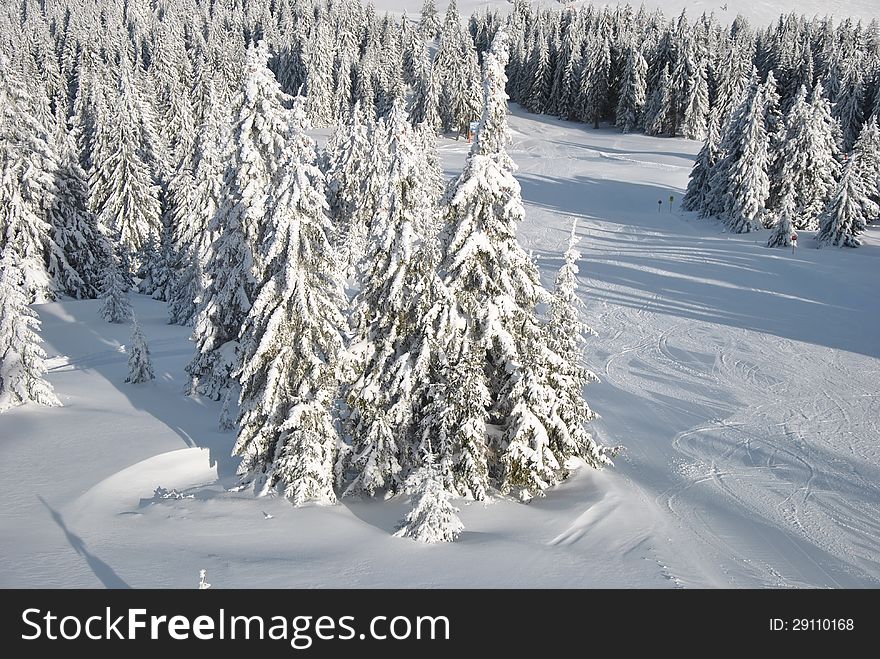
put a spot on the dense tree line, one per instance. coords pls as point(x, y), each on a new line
point(788, 112)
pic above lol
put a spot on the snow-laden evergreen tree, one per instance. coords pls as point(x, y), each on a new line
point(386, 316)
point(773, 120)
point(168, 74)
point(876, 108)
point(260, 150)
point(194, 232)
point(290, 341)
point(457, 71)
point(748, 184)
point(479, 237)
point(740, 179)
point(845, 216)
point(848, 107)
point(429, 24)
point(424, 107)
point(567, 66)
point(355, 173)
point(696, 110)
point(453, 419)
point(494, 344)
point(433, 518)
point(319, 80)
point(157, 262)
point(808, 158)
point(83, 251)
point(566, 337)
point(129, 208)
point(28, 194)
point(775, 123)
point(140, 366)
point(783, 225)
point(22, 368)
point(597, 74)
point(659, 111)
point(698, 188)
point(539, 80)
point(23, 231)
point(632, 94)
point(116, 306)
point(867, 149)
point(732, 78)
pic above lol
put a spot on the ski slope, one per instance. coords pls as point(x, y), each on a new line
point(742, 380)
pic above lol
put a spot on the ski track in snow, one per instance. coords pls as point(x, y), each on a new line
point(742, 381)
point(770, 489)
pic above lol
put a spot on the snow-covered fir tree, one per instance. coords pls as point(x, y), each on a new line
point(433, 518)
point(539, 80)
point(386, 316)
point(457, 71)
point(848, 107)
point(740, 179)
point(495, 347)
point(566, 338)
point(140, 366)
point(782, 228)
point(424, 107)
point(83, 252)
point(355, 165)
point(22, 367)
point(23, 231)
point(429, 24)
point(128, 201)
point(237, 262)
point(115, 305)
point(808, 158)
point(696, 111)
point(698, 188)
point(632, 95)
point(596, 74)
point(28, 164)
point(290, 341)
point(659, 111)
point(845, 217)
point(319, 80)
point(194, 230)
point(867, 150)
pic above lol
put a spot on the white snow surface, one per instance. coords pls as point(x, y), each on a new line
point(759, 12)
point(742, 380)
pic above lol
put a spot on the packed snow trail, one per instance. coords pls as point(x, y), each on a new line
point(742, 380)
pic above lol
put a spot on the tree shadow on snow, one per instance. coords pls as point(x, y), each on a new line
point(105, 574)
point(383, 515)
point(193, 419)
point(677, 265)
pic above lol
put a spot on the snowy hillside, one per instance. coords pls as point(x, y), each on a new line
point(759, 12)
point(741, 379)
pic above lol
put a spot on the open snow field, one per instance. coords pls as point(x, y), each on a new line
point(742, 380)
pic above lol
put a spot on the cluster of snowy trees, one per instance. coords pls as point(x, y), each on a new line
point(643, 72)
point(788, 113)
point(370, 329)
point(114, 151)
point(788, 171)
point(438, 367)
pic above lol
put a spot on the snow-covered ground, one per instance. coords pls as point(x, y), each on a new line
point(742, 380)
point(759, 12)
